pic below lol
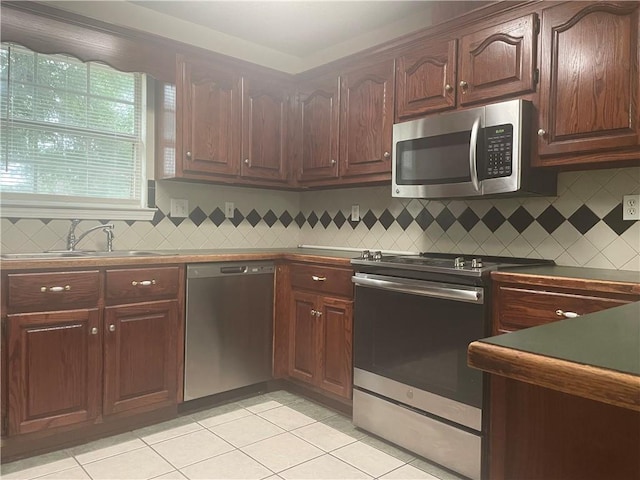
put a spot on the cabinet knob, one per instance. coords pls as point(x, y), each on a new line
point(313, 312)
point(463, 84)
point(448, 88)
point(112, 328)
point(318, 314)
point(542, 132)
point(94, 331)
point(246, 161)
point(386, 155)
point(562, 313)
point(333, 162)
point(188, 155)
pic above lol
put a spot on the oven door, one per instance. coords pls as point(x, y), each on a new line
point(410, 344)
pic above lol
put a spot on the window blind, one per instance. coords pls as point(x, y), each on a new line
point(70, 130)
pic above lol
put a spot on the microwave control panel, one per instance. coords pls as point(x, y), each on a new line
point(499, 150)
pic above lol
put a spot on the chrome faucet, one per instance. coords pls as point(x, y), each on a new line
point(72, 240)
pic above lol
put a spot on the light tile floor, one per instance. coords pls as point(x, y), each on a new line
point(277, 435)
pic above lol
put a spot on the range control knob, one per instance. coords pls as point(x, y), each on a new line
point(366, 255)
point(476, 263)
point(377, 255)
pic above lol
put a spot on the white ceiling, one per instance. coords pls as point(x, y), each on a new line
point(298, 28)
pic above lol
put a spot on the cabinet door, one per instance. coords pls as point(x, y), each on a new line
point(140, 360)
point(319, 117)
point(426, 80)
point(209, 112)
point(498, 61)
point(55, 369)
point(366, 120)
point(335, 366)
point(589, 82)
point(303, 345)
point(264, 133)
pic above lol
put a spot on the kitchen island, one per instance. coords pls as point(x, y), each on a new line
point(571, 398)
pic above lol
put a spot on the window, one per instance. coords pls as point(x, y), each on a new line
point(72, 135)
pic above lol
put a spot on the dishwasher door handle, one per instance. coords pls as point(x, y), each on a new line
point(239, 269)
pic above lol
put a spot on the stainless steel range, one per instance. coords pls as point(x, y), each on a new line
point(415, 316)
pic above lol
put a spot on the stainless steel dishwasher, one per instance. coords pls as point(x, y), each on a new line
point(229, 326)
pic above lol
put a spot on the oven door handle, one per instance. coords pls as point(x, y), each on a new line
point(428, 289)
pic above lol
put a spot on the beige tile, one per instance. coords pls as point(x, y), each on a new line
point(106, 447)
point(140, 464)
point(312, 409)
point(246, 430)
point(282, 451)
point(408, 472)
point(76, 473)
point(232, 465)
point(191, 448)
point(368, 459)
point(166, 430)
point(175, 475)
point(286, 418)
point(323, 436)
point(38, 466)
point(264, 406)
point(326, 467)
point(221, 414)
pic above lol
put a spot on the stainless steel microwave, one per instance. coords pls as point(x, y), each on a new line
point(471, 153)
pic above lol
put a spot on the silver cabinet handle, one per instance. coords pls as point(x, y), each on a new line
point(112, 328)
point(316, 278)
point(448, 88)
point(542, 132)
point(66, 288)
point(143, 283)
point(562, 313)
point(94, 331)
point(246, 161)
point(188, 155)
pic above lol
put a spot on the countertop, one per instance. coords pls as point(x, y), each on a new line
point(596, 356)
point(163, 257)
point(576, 273)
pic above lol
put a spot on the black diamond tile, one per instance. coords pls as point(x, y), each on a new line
point(352, 223)
point(237, 218)
point(445, 219)
point(369, 219)
point(130, 222)
point(270, 218)
point(217, 217)
point(386, 219)
point(468, 219)
point(550, 219)
point(521, 219)
point(158, 216)
point(493, 219)
point(312, 219)
point(325, 219)
point(197, 216)
point(45, 220)
point(583, 219)
point(404, 219)
point(339, 219)
point(424, 219)
point(13, 220)
point(300, 219)
point(614, 221)
point(286, 219)
point(253, 218)
point(176, 221)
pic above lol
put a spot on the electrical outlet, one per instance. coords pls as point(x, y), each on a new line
point(355, 213)
point(229, 208)
point(631, 207)
point(179, 208)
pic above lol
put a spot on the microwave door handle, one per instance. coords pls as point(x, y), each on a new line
point(473, 149)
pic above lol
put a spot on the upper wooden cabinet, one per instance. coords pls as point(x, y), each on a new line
point(484, 65)
point(425, 79)
point(589, 85)
point(366, 120)
point(319, 104)
point(264, 131)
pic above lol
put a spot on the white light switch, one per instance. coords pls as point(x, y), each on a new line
point(355, 213)
point(229, 208)
point(179, 207)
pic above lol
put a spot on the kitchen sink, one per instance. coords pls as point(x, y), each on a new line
point(81, 254)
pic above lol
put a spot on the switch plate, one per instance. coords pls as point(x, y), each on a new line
point(631, 207)
point(229, 208)
point(179, 207)
point(355, 213)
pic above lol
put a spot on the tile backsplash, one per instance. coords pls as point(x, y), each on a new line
point(582, 226)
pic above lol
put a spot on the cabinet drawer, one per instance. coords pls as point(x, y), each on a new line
point(522, 308)
point(141, 284)
point(29, 292)
point(321, 279)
